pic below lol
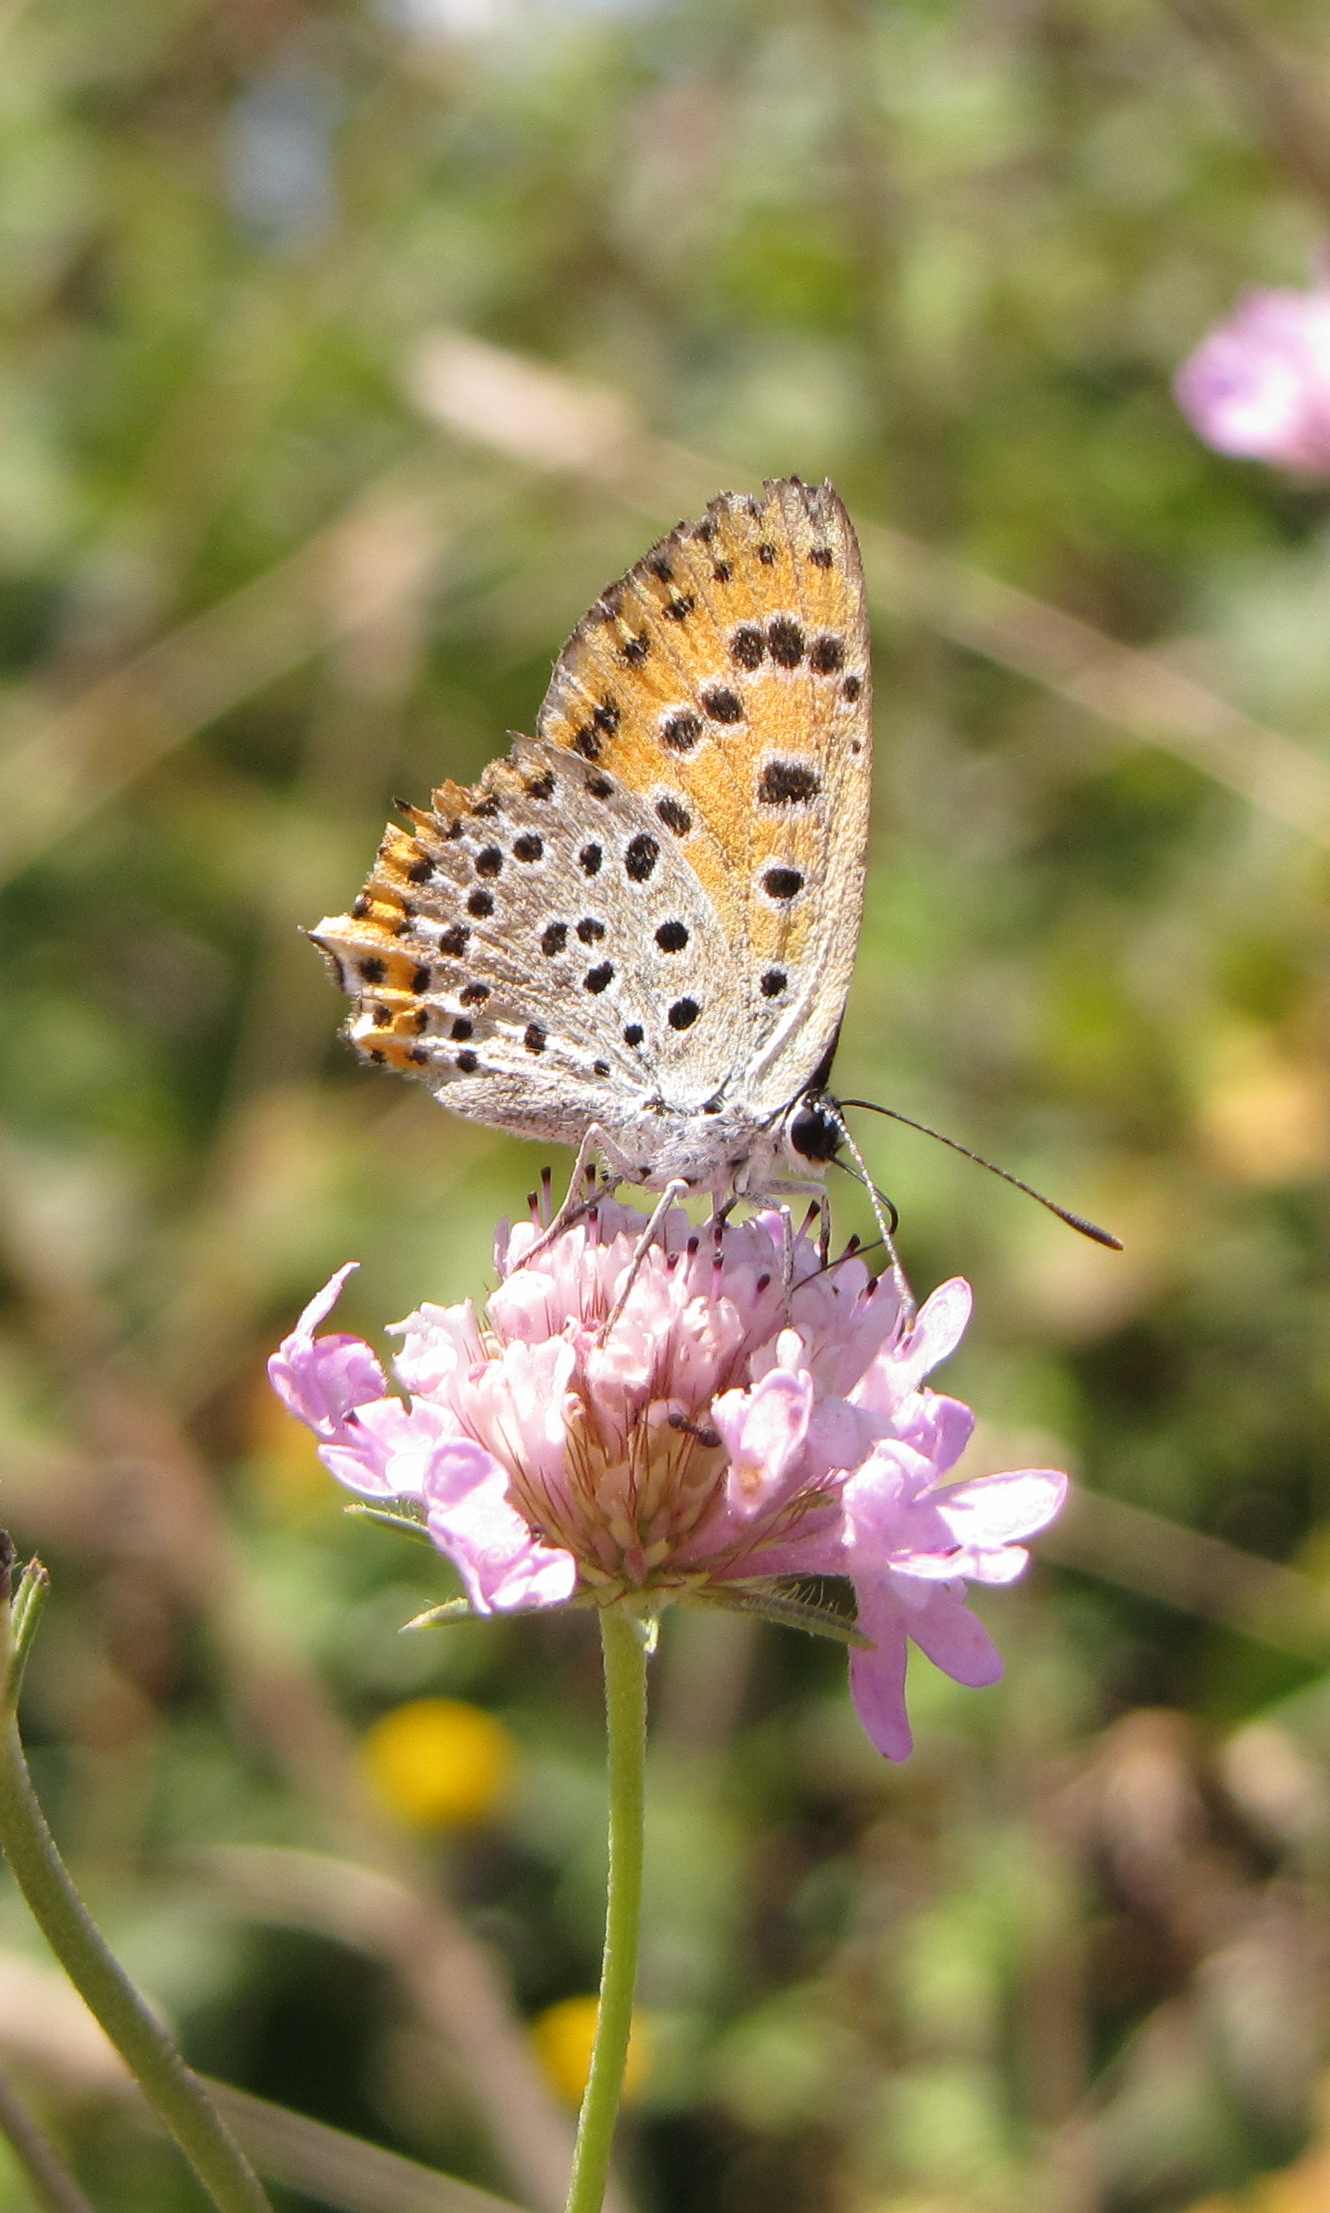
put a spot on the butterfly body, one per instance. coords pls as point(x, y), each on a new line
point(641, 923)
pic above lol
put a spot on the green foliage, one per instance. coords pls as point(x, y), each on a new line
point(262, 565)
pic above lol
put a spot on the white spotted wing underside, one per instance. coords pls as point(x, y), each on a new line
point(658, 896)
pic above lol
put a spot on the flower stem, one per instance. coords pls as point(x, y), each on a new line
point(171, 2087)
point(624, 1644)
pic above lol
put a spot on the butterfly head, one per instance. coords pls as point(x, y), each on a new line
point(814, 1131)
point(813, 1127)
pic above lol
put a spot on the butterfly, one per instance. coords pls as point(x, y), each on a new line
point(635, 934)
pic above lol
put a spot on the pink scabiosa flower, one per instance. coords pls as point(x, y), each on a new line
point(1259, 384)
point(739, 1423)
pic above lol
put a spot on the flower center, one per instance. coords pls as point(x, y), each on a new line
point(633, 1493)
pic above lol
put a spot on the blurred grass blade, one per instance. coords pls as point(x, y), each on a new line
point(342, 2172)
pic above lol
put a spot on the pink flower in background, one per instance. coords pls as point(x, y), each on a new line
point(725, 1435)
point(1259, 384)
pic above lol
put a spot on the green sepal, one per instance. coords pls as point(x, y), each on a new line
point(438, 1617)
point(785, 1610)
point(406, 1525)
point(23, 1611)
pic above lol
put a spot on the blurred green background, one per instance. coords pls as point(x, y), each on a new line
point(347, 352)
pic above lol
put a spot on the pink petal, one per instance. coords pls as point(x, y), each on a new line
point(1259, 384)
point(877, 1677)
point(324, 1382)
point(994, 1569)
point(940, 1428)
point(1000, 1509)
point(898, 1369)
point(840, 1436)
point(518, 1405)
point(323, 1302)
point(528, 1305)
point(845, 1321)
point(320, 1380)
point(957, 1563)
point(440, 1347)
point(502, 1564)
point(619, 1373)
point(458, 1469)
point(382, 1449)
point(938, 1328)
point(889, 1511)
point(956, 1640)
point(763, 1431)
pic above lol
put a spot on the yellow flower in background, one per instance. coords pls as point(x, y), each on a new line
point(1263, 1115)
point(563, 2036)
point(440, 1764)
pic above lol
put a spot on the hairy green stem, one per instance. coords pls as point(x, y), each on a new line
point(624, 1643)
point(171, 2087)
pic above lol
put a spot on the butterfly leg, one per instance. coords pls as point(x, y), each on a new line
point(718, 1222)
point(573, 1206)
point(786, 1255)
point(670, 1196)
point(824, 1235)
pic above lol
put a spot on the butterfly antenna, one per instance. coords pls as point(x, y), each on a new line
point(1079, 1222)
point(884, 1213)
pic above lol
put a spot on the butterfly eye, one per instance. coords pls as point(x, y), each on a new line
point(814, 1135)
